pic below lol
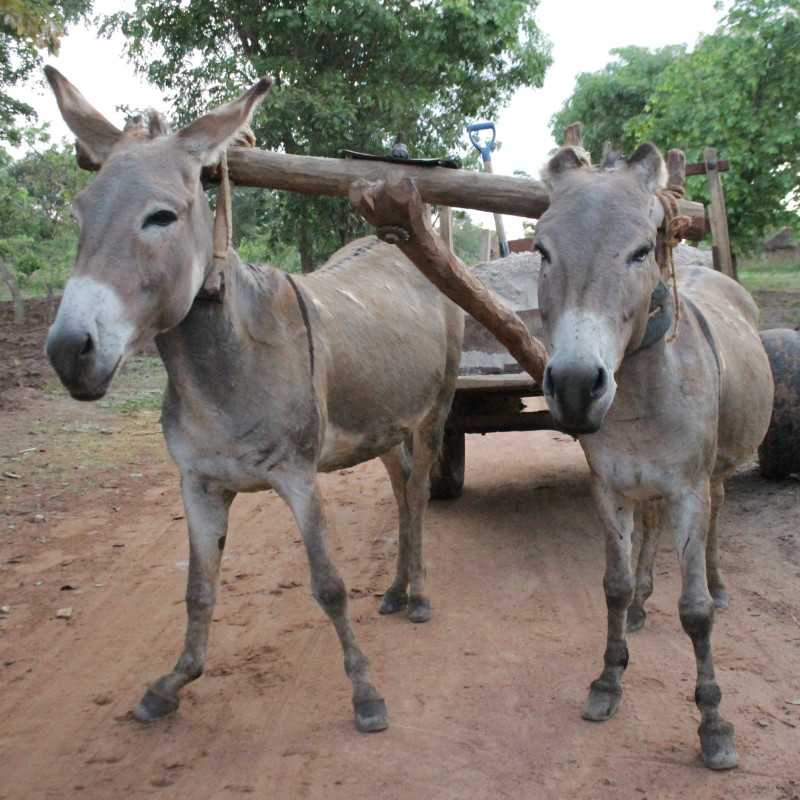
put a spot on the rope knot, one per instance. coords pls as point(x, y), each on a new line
point(675, 224)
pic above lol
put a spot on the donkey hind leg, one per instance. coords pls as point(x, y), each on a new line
point(398, 464)
point(412, 493)
point(207, 516)
point(652, 523)
point(616, 514)
point(715, 583)
point(301, 492)
point(691, 520)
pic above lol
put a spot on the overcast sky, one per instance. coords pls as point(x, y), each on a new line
point(582, 32)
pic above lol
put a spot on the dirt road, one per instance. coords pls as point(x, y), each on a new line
point(484, 700)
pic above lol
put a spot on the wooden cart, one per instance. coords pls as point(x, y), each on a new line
point(391, 197)
point(493, 392)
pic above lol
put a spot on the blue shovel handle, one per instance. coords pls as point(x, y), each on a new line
point(485, 150)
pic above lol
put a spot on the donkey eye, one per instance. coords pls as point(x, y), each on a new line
point(161, 218)
point(640, 255)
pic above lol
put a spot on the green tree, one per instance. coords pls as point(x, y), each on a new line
point(607, 100)
point(37, 237)
point(346, 75)
point(737, 91)
point(51, 178)
point(28, 27)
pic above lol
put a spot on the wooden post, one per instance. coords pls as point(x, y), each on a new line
point(16, 296)
point(485, 253)
point(676, 177)
point(446, 225)
point(573, 136)
point(395, 208)
point(717, 216)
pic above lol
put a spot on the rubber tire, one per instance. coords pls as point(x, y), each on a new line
point(447, 473)
point(779, 453)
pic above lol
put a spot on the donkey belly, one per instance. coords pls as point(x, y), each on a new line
point(344, 448)
point(745, 392)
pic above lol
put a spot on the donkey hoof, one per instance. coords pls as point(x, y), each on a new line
point(602, 703)
point(154, 706)
point(636, 618)
point(720, 598)
point(393, 601)
point(419, 609)
point(371, 715)
point(716, 743)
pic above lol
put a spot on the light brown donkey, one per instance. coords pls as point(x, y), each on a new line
point(663, 420)
point(275, 380)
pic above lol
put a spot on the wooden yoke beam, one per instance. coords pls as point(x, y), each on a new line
point(395, 208)
point(479, 191)
point(332, 177)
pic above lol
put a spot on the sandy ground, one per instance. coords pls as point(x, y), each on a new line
point(484, 700)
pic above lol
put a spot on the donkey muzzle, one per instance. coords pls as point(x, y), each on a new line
point(578, 393)
point(87, 341)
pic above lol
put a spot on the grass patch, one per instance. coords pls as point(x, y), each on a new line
point(139, 387)
point(773, 275)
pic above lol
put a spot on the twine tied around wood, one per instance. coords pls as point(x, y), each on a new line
point(675, 224)
point(223, 217)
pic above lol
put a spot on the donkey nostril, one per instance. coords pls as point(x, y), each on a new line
point(600, 384)
point(88, 347)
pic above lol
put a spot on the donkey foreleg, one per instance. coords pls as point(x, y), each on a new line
point(207, 509)
point(690, 517)
point(652, 523)
point(616, 514)
point(301, 492)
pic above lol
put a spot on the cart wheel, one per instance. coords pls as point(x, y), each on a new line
point(447, 472)
point(779, 453)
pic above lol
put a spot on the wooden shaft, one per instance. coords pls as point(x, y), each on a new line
point(481, 191)
point(700, 168)
point(522, 197)
point(676, 168)
point(395, 208)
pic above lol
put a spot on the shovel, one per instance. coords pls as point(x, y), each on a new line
point(486, 153)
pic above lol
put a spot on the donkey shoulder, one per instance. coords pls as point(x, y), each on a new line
point(723, 298)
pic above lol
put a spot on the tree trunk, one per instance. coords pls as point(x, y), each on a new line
point(16, 296)
point(306, 247)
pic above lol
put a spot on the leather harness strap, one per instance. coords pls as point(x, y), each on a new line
point(703, 323)
point(306, 321)
point(660, 317)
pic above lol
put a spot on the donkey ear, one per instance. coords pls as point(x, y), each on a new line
point(564, 161)
point(206, 137)
point(649, 165)
point(96, 135)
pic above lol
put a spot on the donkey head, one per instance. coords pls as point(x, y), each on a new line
point(145, 243)
point(597, 244)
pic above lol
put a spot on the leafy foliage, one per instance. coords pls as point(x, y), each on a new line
point(26, 28)
point(37, 237)
point(737, 91)
point(350, 74)
point(608, 100)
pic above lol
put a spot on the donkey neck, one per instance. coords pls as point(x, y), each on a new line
point(224, 335)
